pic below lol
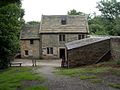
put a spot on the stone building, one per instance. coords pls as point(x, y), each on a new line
point(56, 30)
point(48, 39)
point(30, 41)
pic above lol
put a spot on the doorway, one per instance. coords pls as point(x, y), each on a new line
point(62, 52)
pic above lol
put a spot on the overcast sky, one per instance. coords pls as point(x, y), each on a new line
point(35, 8)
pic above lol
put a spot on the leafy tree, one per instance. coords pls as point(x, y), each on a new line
point(110, 12)
point(74, 12)
point(33, 22)
point(116, 27)
point(110, 9)
point(10, 25)
point(96, 26)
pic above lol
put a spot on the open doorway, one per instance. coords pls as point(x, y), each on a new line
point(62, 53)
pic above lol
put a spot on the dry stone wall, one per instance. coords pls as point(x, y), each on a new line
point(88, 54)
point(115, 47)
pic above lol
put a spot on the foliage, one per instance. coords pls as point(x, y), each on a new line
point(74, 12)
point(33, 22)
point(12, 78)
point(110, 9)
point(6, 2)
point(118, 62)
point(96, 26)
point(10, 25)
point(108, 23)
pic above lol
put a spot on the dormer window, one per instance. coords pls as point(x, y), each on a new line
point(63, 21)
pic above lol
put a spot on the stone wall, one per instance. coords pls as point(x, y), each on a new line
point(115, 47)
point(52, 40)
point(87, 54)
point(35, 48)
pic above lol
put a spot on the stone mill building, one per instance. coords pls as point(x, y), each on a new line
point(47, 40)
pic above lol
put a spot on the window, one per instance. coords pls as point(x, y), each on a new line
point(31, 41)
point(62, 37)
point(63, 21)
point(26, 52)
point(81, 36)
point(49, 50)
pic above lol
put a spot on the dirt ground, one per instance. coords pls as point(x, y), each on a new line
point(57, 82)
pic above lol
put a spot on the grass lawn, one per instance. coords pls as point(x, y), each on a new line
point(95, 73)
point(21, 78)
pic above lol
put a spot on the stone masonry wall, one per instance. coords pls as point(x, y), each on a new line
point(25, 45)
point(87, 54)
point(52, 40)
point(115, 47)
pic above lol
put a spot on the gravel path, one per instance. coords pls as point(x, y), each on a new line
point(57, 82)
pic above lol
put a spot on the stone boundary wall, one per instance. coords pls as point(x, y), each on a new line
point(88, 54)
point(115, 47)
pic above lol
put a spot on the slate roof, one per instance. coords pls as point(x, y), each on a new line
point(74, 24)
point(83, 42)
point(30, 32)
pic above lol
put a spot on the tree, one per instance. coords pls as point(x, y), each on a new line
point(10, 25)
point(32, 23)
point(110, 9)
point(74, 12)
point(96, 26)
point(110, 12)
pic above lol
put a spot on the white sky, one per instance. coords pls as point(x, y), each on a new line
point(35, 8)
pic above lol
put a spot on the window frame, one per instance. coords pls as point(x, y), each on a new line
point(63, 21)
point(81, 36)
point(62, 37)
point(31, 41)
point(26, 52)
point(49, 50)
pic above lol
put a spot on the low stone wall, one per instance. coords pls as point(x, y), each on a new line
point(88, 54)
point(115, 47)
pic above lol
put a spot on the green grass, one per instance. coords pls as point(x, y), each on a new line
point(96, 81)
point(12, 78)
point(114, 85)
point(82, 71)
point(84, 77)
point(37, 88)
point(94, 74)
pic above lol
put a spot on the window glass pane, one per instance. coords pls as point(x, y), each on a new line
point(47, 50)
point(83, 36)
point(62, 37)
point(63, 21)
point(26, 52)
point(31, 41)
point(51, 50)
point(79, 37)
